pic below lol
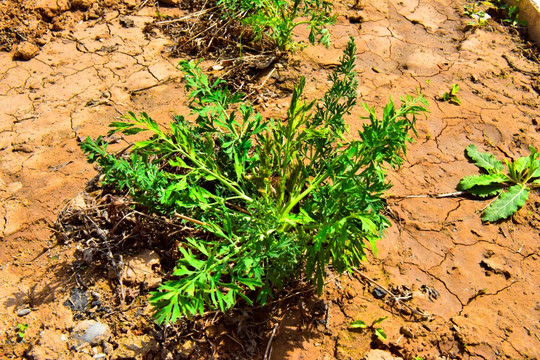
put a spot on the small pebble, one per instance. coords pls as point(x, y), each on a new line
point(100, 356)
point(378, 292)
point(23, 312)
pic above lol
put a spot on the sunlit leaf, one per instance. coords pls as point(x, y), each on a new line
point(484, 160)
point(507, 204)
point(358, 324)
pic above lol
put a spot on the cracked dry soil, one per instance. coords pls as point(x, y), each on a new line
point(93, 65)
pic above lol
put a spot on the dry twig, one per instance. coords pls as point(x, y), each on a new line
point(269, 345)
point(397, 300)
point(103, 237)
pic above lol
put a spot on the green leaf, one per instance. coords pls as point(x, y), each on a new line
point(507, 203)
point(486, 190)
point(521, 163)
point(379, 320)
point(537, 171)
point(358, 324)
point(380, 333)
point(484, 160)
point(471, 181)
point(250, 283)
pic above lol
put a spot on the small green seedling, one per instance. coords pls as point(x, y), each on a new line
point(480, 17)
point(377, 331)
point(451, 96)
point(513, 17)
point(510, 13)
point(511, 188)
point(20, 331)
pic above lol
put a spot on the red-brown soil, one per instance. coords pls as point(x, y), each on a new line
point(93, 65)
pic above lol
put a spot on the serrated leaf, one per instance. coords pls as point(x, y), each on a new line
point(485, 191)
point(471, 181)
point(484, 160)
point(358, 324)
point(507, 203)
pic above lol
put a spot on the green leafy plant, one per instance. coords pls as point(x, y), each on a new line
point(508, 14)
point(511, 188)
point(480, 17)
point(511, 13)
point(20, 331)
point(276, 197)
point(451, 96)
point(513, 17)
point(278, 18)
point(377, 331)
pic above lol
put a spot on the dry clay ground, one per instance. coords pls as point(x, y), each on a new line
point(88, 72)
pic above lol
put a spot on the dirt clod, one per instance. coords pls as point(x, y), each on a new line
point(25, 51)
point(134, 346)
point(82, 4)
point(143, 269)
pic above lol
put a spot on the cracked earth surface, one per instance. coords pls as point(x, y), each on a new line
point(90, 71)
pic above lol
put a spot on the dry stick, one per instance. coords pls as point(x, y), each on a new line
point(485, 207)
point(438, 196)
point(201, 32)
point(396, 298)
point(268, 346)
point(195, 14)
point(266, 79)
point(190, 219)
point(111, 256)
point(162, 82)
point(142, 5)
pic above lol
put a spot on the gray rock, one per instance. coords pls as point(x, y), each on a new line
point(23, 312)
point(91, 331)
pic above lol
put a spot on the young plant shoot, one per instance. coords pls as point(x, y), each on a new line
point(511, 188)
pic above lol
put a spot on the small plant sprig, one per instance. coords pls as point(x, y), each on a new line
point(509, 14)
point(511, 188)
point(451, 96)
point(277, 198)
point(20, 331)
point(480, 17)
point(511, 11)
point(278, 18)
point(376, 331)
